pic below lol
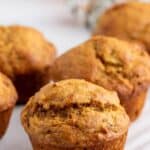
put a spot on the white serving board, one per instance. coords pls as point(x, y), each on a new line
point(52, 17)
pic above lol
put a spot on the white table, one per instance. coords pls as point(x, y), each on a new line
point(52, 18)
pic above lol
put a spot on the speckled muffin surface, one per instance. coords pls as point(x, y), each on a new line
point(75, 114)
point(24, 55)
point(8, 94)
point(111, 63)
point(8, 98)
point(128, 21)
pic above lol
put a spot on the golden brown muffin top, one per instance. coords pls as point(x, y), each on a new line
point(109, 62)
point(130, 21)
point(75, 113)
point(8, 94)
point(23, 50)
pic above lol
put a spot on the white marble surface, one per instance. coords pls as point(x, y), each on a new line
point(53, 19)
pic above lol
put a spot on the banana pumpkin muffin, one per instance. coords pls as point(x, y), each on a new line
point(129, 21)
point(75, 115)
point(111, 63)
point(24, 57)
point(8, 98)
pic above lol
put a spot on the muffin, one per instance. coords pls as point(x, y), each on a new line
point(75, 115)
point(8, 98)
point(111, 63)
point(129, 21)
point(25, 56)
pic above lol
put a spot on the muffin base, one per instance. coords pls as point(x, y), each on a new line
point(115, 144)
point(134, 105)
point(28, 84)
point(4, 120)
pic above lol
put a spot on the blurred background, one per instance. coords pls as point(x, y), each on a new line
point(66, 23)
point(52, 17)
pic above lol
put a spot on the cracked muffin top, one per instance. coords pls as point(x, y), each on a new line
point(23, 49)
point(8, 94)
point(129, 21)
point(109, 62)
point(75, 113)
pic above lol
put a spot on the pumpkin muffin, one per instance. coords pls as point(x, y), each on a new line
point(129, 21)
point(24, 57)
point(8, 98)
point(75, 115)
point(111, 63)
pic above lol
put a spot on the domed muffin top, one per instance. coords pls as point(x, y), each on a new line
point(8, 94)
point(109, 62)
point(75, 113)
point(23, 49)
point(129, 21)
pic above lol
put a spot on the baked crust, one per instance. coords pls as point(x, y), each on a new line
point(8, 94)
point(109, 62)
point(117, 144)
point(24, 56)
point(75, 114)
point(129, 21)
point(8, 98)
